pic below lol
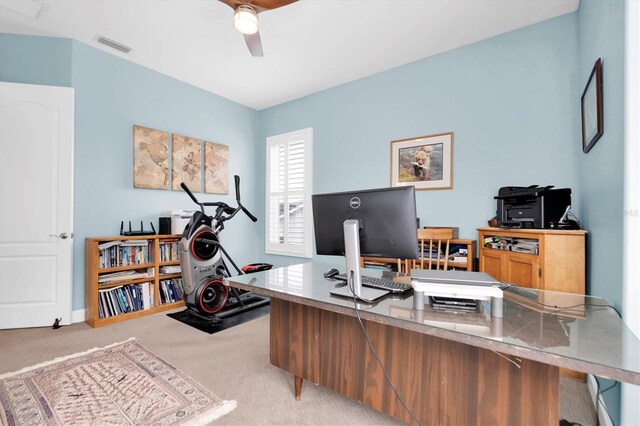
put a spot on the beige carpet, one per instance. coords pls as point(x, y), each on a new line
point(233, 364)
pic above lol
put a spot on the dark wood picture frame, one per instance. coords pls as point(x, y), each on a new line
point(591, 108)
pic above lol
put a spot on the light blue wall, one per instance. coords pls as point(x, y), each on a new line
point(111, 95)
point(601, 172)
point(509, 100)
point(35, 60)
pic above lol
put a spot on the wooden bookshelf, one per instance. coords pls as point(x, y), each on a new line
point(152, 264)
point(401, 264)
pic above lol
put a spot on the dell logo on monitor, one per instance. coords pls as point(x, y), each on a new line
point(354, 202)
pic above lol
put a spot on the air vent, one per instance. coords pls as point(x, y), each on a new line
point(113, 44)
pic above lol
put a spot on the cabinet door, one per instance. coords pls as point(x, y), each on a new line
point(563, 263)
point(522, 270)
point(491, 262)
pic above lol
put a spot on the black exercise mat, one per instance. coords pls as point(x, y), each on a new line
point(193, 321)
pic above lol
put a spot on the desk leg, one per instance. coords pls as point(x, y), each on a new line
point(298, 387)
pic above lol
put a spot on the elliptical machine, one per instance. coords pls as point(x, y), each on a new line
point(204, 268)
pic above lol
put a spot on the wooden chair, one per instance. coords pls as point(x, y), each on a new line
point(434, 248)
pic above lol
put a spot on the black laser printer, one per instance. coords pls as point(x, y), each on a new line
point(534, 207)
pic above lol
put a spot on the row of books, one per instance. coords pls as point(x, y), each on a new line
point(171, 290)
point(120, 300)
point(123, 253)
point(168, 251)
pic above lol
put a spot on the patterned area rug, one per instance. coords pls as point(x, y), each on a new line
point(120, 384)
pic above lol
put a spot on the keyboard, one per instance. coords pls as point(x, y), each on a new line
point(379, 283)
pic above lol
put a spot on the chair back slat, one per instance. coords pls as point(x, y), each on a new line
point(434, 238)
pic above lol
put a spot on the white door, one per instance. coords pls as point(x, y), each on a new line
point(36, 204)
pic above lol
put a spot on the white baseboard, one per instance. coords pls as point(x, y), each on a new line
point(77, 316)
point(603, 415)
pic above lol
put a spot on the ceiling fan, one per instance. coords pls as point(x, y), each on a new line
point(245, 19)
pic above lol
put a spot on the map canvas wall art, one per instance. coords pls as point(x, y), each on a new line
point(185, 162)
point(216, 168)
point(150, 158)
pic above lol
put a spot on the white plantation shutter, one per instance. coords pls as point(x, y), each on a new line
point(288, 209)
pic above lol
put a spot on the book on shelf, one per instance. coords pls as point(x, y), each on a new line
point(170, 269)
point(146, 294)
point(119, 276)
point(133, 293)
point(126, 291)
point(134, 243)
point(163, 293)
point(108, 244)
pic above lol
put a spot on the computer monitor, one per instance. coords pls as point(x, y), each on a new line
point(372, 223)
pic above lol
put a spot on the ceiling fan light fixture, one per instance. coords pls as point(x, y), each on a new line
point(245, 19)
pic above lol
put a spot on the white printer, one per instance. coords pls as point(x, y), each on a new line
point(178, 220)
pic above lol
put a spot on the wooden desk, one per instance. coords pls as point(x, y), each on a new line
point(449, 369)
point(443, 382)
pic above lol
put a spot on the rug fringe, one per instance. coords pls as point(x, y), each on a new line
point(62, 358)
point(215, 413)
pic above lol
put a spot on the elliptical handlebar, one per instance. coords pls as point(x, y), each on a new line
point(221, 207)
point(252, 217)
point(188, 191)
point(244, 209)
point(236, 178)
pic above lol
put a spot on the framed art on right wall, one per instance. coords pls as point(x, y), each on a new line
point(591, 108)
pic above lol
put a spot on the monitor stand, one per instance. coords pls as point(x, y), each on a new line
point(351, 229)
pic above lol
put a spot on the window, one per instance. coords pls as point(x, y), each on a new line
point(288, 193)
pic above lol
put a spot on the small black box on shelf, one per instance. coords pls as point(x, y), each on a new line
point(165, 226)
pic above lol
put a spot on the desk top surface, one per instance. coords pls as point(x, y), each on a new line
point(568, 330)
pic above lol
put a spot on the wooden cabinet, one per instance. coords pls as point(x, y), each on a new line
point(142, 269)
point(557, 264)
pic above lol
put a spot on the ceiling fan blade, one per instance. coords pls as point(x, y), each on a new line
point(231, 3)
point(258, 5)
point(254, 44)
point(269, 4)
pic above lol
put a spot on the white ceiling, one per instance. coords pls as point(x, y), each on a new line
point(308, 46)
